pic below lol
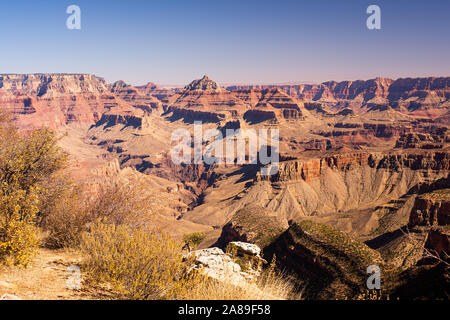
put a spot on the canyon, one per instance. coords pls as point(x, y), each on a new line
point(369, 159)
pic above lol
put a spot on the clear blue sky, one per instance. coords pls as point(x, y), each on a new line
point(233, 41)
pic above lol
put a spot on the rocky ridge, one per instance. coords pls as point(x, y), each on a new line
point(398, 93)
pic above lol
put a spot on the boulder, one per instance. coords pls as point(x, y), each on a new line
point(245, 248)
point(239, 265)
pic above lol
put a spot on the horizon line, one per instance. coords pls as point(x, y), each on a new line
point(226, 84)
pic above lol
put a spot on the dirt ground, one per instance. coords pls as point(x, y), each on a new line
point(46, 278)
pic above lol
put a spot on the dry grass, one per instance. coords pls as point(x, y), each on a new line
point(77, 207)
point(120, 203)
point(139, 263)
point(66, 219)
point(271, 285)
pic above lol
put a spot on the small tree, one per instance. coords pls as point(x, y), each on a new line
point(193, 240)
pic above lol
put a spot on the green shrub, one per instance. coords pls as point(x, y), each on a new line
point(193, 240)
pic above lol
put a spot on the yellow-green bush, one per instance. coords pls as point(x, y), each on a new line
point(19, 243)
point(139, 263)
point(27, 161)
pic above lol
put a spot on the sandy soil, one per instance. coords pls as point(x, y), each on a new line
point(46, 278)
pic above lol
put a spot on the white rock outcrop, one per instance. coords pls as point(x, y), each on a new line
point(242, 262)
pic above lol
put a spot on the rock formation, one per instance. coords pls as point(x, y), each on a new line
point(54, 99)
point(414, 95)
point(334, 264)
point(203, 100)
point(431, 209)
point(240, 265)
point(252, 224)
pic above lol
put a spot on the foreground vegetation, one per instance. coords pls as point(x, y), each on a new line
point(107, 222)
point(143, 264)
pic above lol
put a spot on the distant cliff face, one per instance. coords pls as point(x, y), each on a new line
point(381, 90)
point(310, 169)
point(51, 84)
point(57, 99)
point(406, 88)
point(54, 99)
point(136, 97)
point(332, 90)
point(375, 88)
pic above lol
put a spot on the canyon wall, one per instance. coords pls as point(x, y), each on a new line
point(379, 88)
point(310, 169)
point(54, 99)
